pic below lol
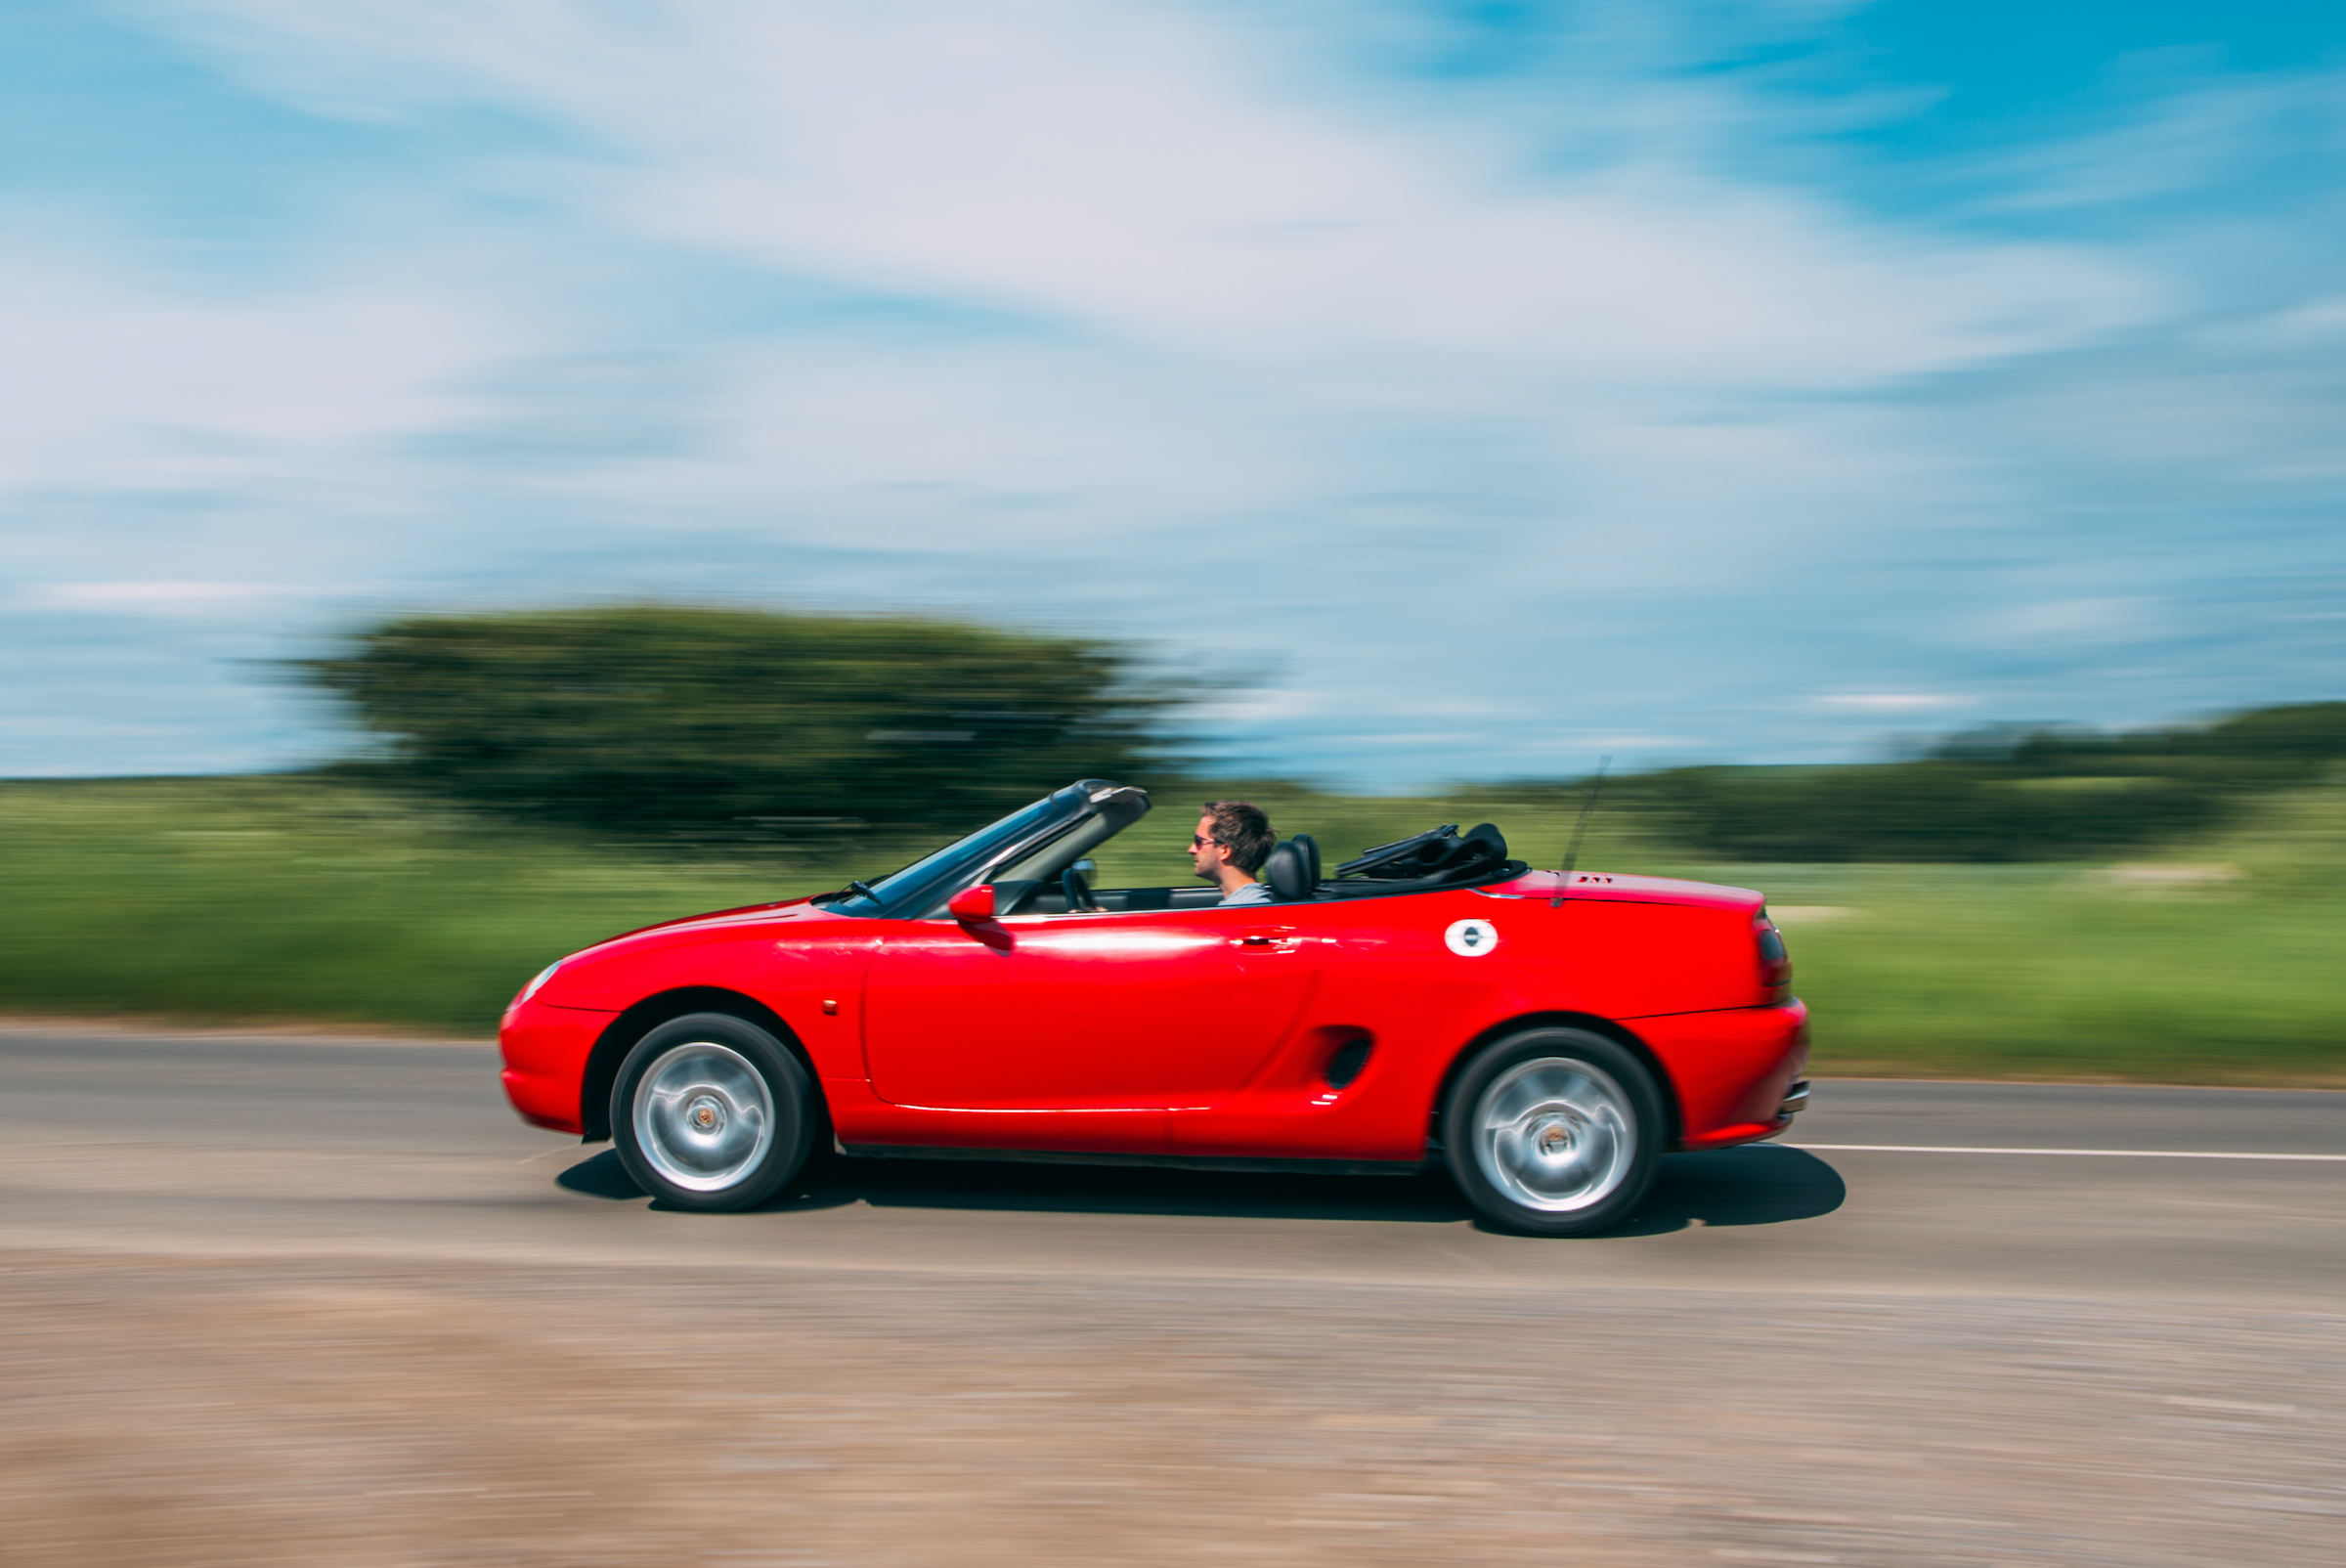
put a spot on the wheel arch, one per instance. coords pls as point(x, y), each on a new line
point(1617, 1033)
point(620, 1035)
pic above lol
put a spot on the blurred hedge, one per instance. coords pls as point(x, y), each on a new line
point(2027, 794)
point(703, 722)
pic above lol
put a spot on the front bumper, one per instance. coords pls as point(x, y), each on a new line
point(546, 1050)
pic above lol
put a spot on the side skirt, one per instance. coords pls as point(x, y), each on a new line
point(1046, 1156)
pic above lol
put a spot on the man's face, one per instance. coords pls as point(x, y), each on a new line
point(1204, 853)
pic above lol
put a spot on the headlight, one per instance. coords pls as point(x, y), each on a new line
point(544, 974)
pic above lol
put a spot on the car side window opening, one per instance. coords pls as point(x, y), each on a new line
point(1036, 856)
point(1431, 862)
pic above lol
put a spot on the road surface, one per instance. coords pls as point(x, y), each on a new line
point(272, 1300)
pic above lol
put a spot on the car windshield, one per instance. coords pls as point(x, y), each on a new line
point(908, 888)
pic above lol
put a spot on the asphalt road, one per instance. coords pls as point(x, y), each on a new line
point(278, 1300)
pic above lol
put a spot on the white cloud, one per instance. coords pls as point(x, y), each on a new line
point(1151, 173)
point(1138, 320)
point(1895, 702)
point(2079, 620)
point(120, 384)
point(154, 597)
point(1600, 746)
point(2315, 318)
point(2193, 130)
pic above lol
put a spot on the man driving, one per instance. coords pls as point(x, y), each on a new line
point(1233, 839)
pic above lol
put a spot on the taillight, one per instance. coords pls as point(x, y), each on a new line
point(1775, 964)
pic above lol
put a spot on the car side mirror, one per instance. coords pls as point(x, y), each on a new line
point(973, 904)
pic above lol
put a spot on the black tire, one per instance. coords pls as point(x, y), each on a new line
point(1554, 1132)
point(711, 1112)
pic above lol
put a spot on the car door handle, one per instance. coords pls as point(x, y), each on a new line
point(1262, 942)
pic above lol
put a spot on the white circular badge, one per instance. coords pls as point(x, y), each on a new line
point(1471, 938)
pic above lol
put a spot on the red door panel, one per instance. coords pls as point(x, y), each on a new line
point(1102, 1011)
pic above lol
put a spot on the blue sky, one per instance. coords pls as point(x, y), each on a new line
point(1511, 384)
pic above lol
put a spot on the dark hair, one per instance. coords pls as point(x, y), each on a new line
point(1242, 826)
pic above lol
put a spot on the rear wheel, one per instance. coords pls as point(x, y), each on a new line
point(1554, 1132)
point(711, 1112)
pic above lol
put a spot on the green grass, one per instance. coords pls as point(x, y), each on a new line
point(251, 898)
point(2053, 972)
point(2237, 974)
point(309, 899)
point(301, 899)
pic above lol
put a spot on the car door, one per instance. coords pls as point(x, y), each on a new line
point(1104, 1011)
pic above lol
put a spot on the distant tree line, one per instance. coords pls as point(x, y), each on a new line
point(725, 722)
point(709, 722)
point(2030, 795)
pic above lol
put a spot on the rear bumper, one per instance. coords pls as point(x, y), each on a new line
point(545, 1051)
point(1796, 1101)
point(1735, 1070)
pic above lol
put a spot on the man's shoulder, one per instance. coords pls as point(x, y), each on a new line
point(1254, 892)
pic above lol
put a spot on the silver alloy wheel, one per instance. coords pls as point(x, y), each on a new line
point(1555, 1134)
point(704, 1117)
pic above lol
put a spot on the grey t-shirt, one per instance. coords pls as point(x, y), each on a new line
point(1254, 892)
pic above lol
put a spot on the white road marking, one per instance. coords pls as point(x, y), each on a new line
point(2106, 1153)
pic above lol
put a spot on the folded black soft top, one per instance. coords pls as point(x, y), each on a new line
point(1439, 857)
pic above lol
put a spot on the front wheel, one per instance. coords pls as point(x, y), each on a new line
point(711, 1112)
point(1554, 1132)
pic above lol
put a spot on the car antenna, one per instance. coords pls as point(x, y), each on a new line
point(1571, 855)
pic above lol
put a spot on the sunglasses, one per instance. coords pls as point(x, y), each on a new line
point(1198, 840)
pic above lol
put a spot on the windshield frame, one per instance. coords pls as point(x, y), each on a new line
point(927, 883)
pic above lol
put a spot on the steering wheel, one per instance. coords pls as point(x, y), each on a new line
point(1079, 897)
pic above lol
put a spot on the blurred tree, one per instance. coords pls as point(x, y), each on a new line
point(703, 721)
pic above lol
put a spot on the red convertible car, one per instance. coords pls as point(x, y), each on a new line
point(1545, 1035)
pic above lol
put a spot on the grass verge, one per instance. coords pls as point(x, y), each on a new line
point(290, 898)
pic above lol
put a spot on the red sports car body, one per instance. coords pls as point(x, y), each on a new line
point(1547, 1034)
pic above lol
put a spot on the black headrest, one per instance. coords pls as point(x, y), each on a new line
point(1294, 869)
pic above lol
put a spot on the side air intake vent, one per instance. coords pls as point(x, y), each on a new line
point(1346, 1065)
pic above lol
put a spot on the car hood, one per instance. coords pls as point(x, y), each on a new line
point(713, 917)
